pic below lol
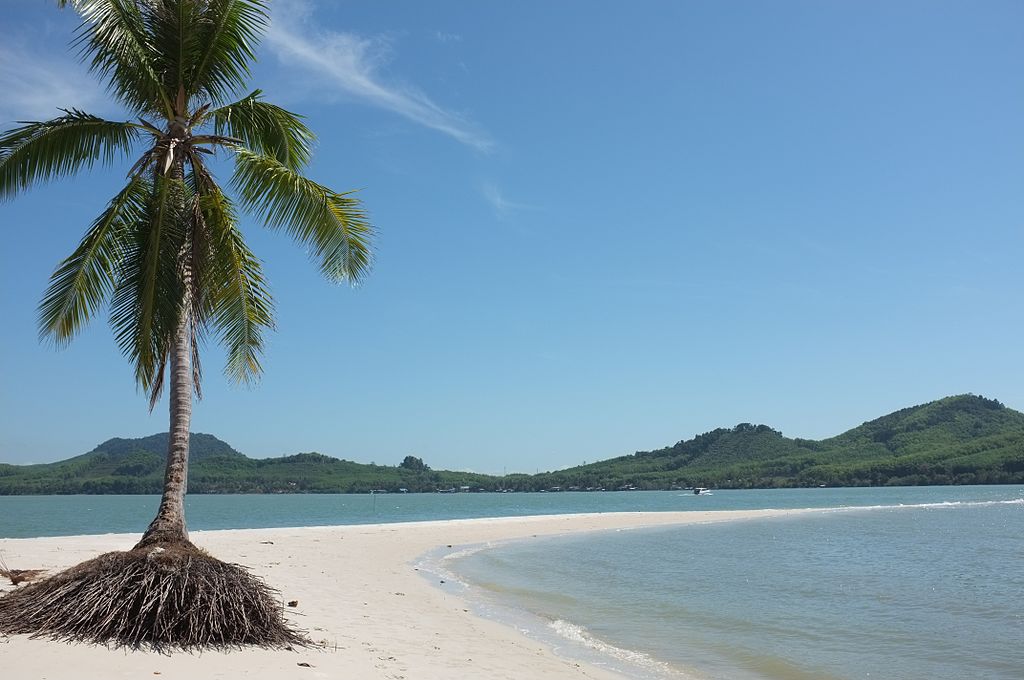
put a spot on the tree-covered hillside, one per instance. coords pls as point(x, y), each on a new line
point(964, 439)
point(130, 466)
point(958, 440)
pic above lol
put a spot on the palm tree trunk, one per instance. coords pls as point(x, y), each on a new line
point(169, 524)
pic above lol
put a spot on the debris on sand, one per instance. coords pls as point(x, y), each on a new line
point(18, 576)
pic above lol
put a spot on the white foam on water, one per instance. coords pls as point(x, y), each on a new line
point(435, 566)
point(939, 504)
point(466, 551)
point(580, 636)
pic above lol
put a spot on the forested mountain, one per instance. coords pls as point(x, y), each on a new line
point(958, 440)
point(129, 466)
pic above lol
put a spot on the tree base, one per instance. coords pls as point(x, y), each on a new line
point(162, 597)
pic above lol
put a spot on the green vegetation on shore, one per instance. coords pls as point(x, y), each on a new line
point(958, 440)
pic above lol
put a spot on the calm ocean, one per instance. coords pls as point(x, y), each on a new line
point(932, 590)
point(920, 582)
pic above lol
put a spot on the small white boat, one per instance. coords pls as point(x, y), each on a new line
point(701, 491)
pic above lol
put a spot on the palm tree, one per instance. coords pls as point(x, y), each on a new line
point(167, 254)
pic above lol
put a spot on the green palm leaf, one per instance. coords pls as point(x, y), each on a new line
point(149, 298)
point(171, 28)
point(228, 31)
point(239, 304)
point(84, 281)
point(40, 151)
point(266, 129)
point(113, 34)
point(333, 225)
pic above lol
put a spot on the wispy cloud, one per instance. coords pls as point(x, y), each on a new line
point(34, 83)
point(444, 37)
point(502, 206)
point(353, 64)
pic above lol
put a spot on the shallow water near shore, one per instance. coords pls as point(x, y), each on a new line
point(933, 590)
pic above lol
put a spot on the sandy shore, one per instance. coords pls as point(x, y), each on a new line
point(359, 594)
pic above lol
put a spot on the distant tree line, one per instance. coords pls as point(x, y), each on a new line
point(958, 440)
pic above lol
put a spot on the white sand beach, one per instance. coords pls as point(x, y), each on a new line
point(359, 594)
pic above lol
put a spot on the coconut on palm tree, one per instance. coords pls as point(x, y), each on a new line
point(168, 258)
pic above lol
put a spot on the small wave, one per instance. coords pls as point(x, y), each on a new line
point(466, 551)
point(938, 504)
point(436, 564)
point(580, 635)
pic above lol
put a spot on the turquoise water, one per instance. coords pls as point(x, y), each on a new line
point(931, 591)
point(28, 516)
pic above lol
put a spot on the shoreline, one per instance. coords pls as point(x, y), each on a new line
point(361, 594)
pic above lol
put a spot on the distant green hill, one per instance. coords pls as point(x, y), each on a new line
point(964, 439)
point(958, 440)
point(134, 466)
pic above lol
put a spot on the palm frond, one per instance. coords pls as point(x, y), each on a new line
point(333, 225)
point(113, 36)
point(149, 297)
point(39, 151)
point(266, 129)
point(156, 387)
point(228, 32)
point(240, 305)
point(171, 27)
point(84, 281)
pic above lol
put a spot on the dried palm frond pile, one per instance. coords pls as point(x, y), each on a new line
point(16, 576)
point(163, 598)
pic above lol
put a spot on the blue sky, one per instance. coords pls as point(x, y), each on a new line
point(603, 227)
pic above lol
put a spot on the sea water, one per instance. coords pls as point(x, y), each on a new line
point(932, 591)
point(31, 516)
